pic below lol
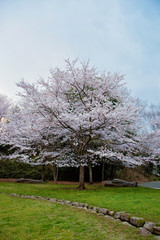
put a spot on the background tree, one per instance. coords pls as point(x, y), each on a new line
point(33, 139)
point(5, 109)
point(152, 135)
point(5, 105)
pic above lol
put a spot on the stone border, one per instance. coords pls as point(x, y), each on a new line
point(144, 228)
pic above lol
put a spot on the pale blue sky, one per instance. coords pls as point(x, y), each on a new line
point(116, 35)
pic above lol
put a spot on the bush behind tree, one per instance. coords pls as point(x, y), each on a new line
point(14, 169)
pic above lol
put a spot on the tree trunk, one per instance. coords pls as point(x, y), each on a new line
point(43, 172)
point(81, 178)
point(103, 163)
point(113, 169)
point(55, 172)
point(90, 174)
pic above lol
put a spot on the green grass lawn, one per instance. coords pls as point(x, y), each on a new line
point(26, 219)
point(140, 202)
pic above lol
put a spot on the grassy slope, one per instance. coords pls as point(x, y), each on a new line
point(25, 219)
point(141, 202)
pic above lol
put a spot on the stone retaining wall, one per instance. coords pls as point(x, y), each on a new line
point(144, 228)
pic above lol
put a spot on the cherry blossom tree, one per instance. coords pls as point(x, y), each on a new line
point(33, 139)
point(5, 108)
point(84, 106)
point(5, 105)
point(152, 135)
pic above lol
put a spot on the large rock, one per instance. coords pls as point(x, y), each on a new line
point(149, 226)
point(15, 195)
point(124, 183)
point(86, 206)
point(110, 218)
point(111, 213)
point(34, 197)
point(103, 211)
point(53, 200)
point(24, 180)
point(26, 196)
point(96, 209)
point(128, 224)
point(117, 215)
point(60, 200)
point(119, 183)
point(81, 205)
point(75, 204)
point(144, 231)
point(138, 222)
point(42, 198)
point(156, 230)
point(67, 202)
point(125, 217)
point(90, 207)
